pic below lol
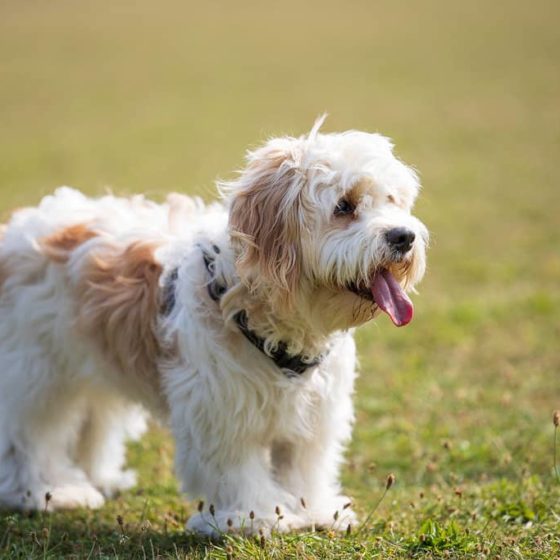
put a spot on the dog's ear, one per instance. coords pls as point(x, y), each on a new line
point(264, 218)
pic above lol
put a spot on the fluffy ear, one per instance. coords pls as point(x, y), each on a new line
point(265, 217)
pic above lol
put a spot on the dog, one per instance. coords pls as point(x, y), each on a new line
point(231, 322)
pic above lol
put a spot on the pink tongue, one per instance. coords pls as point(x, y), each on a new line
point(391, 298)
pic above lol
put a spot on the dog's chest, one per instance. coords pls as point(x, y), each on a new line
point(296, 410)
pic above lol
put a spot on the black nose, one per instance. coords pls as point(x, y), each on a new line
point(400, 239)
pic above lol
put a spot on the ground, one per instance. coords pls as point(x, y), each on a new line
point(151, 97)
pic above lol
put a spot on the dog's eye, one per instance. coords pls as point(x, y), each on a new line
point(344, 207)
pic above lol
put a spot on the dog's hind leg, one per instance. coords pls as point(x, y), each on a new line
point(101, 449)
point(41, 412)
point(44, 372)
point(36, 467)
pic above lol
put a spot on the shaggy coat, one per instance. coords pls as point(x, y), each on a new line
point(113, 308)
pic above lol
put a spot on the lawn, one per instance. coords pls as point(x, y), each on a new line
point(159, 96)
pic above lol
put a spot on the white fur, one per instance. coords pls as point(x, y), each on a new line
point(248, 438)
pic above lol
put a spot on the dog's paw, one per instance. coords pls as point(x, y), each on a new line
point(335, 514)
point(123, 480)
point(223, 522)
point(72, 496)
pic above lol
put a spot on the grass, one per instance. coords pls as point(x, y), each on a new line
point(154, 97)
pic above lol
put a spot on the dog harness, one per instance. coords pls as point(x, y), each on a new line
point(290, 364)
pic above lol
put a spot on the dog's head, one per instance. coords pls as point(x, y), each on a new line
point(326, 218)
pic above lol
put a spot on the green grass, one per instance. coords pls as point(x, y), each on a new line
point(151, 97)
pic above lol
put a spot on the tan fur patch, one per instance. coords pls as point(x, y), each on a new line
point(61, 243)
point(264, 217)
point(356, 193)
point(118, 305)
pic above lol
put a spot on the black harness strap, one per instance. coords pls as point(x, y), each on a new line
point(168, 293)
point(291, 365)
point(215, 289)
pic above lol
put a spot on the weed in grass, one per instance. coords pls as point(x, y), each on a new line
point(388, 484)
point(556, 423)
point(441, 537)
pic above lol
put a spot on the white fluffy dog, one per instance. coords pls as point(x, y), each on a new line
point(233, 323)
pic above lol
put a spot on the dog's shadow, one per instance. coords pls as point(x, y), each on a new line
point(85, 534)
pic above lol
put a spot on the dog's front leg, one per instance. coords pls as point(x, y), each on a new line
point(239, 492)
point(223, 458)
point(310, 470)
point(309, 466)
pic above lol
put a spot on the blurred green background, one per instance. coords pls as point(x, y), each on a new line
point(159, 96)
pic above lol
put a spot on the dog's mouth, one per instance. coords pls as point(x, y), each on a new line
point(384, 290)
